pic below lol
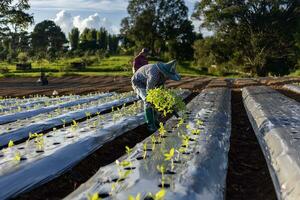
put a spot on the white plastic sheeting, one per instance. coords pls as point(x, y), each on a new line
point(33, 103)
point(293, 88)
point(201, 171)
point(30, 113)
point(22, 133)
point(29, 174)
point(276, 122)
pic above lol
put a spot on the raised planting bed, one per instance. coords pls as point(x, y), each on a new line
point(275, 119)
point(48, 156)
point(30, 113)
point(35, 104)
point(185, 159)
point(47, 124)
point(7, 101)
point(292, 87)
point(13, 126)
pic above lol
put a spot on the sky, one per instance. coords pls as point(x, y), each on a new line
point(86, 13)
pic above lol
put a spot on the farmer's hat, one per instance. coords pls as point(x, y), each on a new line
point(169, 70)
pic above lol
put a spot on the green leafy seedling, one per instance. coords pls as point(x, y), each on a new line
point(162, 170)
point(11, 144)
point(94, 196)
point(169, 157)
point(160, 195)
point(128, 150)
point(137, 197)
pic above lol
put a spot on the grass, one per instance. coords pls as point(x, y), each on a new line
point(114, 66)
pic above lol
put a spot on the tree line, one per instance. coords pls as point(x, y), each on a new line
point(258, 36)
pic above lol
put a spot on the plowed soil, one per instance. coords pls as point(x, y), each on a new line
point(19, 87)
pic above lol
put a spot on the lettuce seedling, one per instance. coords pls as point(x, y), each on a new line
point(11, 143)
point(169, 157)
point(160, 195)
point(162, 170)
point(128, 150)
point(162, 131)
point(196, 132)
point(95, 196)
point(145, 151)
point(17, 156)
point(137, 197)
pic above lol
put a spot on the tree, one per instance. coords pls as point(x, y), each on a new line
point(102, 39)
point(113, 44)
point(13, 16)
point(48, 39)
point(161, 25)
point(261, 32)
point(13, 21)
point(74, 38)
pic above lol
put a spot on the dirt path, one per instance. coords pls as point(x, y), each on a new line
point(248, 175)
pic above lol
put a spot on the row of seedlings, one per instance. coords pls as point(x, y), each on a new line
point(185, 159)
point(46, 122)
point(35, 104)
point(47, 156)
point(4, 119)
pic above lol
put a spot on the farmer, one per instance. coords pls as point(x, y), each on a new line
point(149, 77)
point(140, 60)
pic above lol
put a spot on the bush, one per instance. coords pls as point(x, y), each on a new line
point(23, 57)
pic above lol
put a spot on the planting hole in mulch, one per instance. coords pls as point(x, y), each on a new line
point(129, 168)
point(103, 195)
point(169, 172)
point(56, 143)
point(23, 158)
point(166, 185)
point(248, 175)
point(117, 180)
point(177, 161)
point(39, 151)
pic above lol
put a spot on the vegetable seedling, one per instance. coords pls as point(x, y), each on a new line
point(161, 169)
point(160, 195)
point(95, 196)
point(128, 150)
point(11, 144)
point(162, 131)
point(169, 157)
point(137, 197)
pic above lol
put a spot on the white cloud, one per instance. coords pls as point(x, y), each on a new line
point(67, 22)
point(99, 5)
point(64, 20)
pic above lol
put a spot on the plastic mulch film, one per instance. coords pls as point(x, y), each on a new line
point(275, 119)
point(293, 88)
point(63, 148)
point(30, 113)
point(187, 158)
point(42, 168)
point(48, 124)
point(34, 103)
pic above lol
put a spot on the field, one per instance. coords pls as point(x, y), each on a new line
point(84, 137)
point(115, 65)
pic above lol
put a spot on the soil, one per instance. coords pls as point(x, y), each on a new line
point(19, 87)
point(248, 175)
